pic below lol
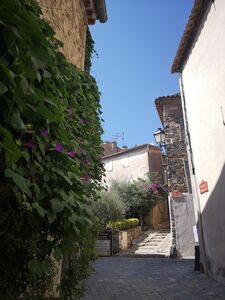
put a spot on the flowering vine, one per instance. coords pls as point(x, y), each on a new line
point(50, 155)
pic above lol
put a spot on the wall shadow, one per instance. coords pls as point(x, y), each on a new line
point(213, 223)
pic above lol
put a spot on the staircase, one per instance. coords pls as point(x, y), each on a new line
point(152, 243)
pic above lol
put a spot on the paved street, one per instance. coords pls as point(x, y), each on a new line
point(125, 278)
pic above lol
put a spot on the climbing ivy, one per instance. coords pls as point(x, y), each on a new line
point(49, 154)
point(89, 52)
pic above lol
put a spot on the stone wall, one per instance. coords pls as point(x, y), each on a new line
point(176, 153)
point(127, 236)
point(68, 19)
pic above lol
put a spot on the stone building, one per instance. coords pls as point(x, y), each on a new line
point(177, 176)
point(175, 161)
point(70, 19)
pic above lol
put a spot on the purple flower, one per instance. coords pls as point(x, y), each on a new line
point(71, 153)
point(81, 151)
point(31, 144)
point(155, 187)
point(44, 132)
point(87, 160)
point(70, 111)
point(86, 178)
point(88, 163)
point(59, 148)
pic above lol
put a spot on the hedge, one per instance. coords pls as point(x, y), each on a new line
point(125, 224)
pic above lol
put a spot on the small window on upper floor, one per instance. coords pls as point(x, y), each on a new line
point(125, 162)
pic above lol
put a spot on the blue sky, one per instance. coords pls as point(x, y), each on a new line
point(136, 48)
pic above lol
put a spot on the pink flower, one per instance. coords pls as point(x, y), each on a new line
point(155, 187)
point(31, 144)
point(72, 153)
point(59, 148)
point(44, 132)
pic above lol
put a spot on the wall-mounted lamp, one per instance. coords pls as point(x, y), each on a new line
point(160, 139)
point(159, 136)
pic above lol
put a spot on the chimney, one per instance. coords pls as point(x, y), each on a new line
point(114, 145)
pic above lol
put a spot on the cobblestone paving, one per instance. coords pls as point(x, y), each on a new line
point(125, 278)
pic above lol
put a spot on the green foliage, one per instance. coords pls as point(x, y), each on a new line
point(49, 154)
point(77, 267)
point(109, 207)
point(89, 51)
point(140, 196)
point(124, 224)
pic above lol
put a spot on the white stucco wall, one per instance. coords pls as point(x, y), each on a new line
point(127, 166)
point(204, 88)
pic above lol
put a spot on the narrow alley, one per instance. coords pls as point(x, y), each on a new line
point(126, 278)
point(112, 170)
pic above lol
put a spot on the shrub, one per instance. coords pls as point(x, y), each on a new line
point(124, 224)
point(140, 196)
point(109, 207)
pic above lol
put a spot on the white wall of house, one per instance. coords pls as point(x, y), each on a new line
point(204, 89)
point(127, 166)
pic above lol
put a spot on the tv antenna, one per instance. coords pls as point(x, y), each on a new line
point(119, 135)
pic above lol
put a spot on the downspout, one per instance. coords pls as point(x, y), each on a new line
point(201, 231)
point(149, 171)
point(149, 160)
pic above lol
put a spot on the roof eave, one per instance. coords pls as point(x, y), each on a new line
point(95, 10)
point(160, 101)
point(101, 10)
point(189, 34)
point(133, 149)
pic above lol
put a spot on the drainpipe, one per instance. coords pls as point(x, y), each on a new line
point(201, 231)
point(149, 159)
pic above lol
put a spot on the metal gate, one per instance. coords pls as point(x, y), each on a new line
point(107, 243)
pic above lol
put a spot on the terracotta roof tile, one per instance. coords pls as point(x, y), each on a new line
point(159, 103)
point(133, 149)
point(194, 21)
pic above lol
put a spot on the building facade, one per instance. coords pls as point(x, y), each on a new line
point(131, 164)
point(200, 63)
point(177, 176)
